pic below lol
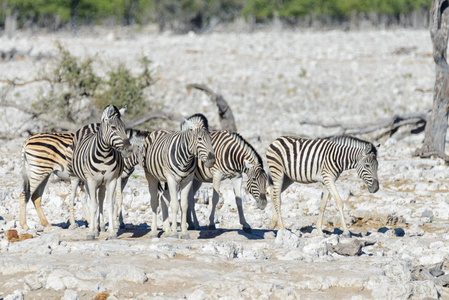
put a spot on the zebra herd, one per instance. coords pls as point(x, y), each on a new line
point(103, 156)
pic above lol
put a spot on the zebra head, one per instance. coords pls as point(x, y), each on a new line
point(113, 130)
point(367, 168)
point(257, 183)
point(201, 145)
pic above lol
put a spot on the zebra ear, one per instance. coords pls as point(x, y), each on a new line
point(107, 112)
point(123, 110)
point(369, 148)
point(248, 164)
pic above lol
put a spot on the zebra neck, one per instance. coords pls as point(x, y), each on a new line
point(348, 158)
point(186, 140)
point(102, 146)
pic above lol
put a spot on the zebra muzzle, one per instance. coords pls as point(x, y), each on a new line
point(262, 202)
point(374, 187)
point(127, 150)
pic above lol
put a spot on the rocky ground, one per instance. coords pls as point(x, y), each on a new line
point(275, 81)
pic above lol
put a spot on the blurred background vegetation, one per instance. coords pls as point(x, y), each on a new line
point(202, 15)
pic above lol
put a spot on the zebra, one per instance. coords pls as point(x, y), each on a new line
point(97, 161)
point(169, 156)
point(293, 159)
point(233, 156)
point(45, 154)
point(42, 155)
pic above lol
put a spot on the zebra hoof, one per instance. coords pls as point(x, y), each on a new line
point(154, 234)
point(97, 234)
point(73, 226)
point(112, 237)
point(185, 236)
point(212, 227)
point(346, 234)
point(91, 237)
point(247, 229)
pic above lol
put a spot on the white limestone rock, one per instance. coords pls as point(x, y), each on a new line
point(121, 272)
point(43, 244)
point(56, 279)
point(287, 239)
point(70, 295)
point(33, 281)
point(16, 295)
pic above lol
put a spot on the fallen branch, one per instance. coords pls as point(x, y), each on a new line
point(225, 114)
point(154, 115)
point(391, 124)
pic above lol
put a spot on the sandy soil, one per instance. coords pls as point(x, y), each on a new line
point(274, 81)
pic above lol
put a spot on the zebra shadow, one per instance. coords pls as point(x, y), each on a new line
point(254, 234)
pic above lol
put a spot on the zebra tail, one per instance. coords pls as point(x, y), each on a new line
point(26, 179)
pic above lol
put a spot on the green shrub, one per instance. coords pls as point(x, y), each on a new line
point(122, 88)
point(75, 89)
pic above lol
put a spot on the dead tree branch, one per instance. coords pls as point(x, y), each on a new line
point(436, 129)
point(225, 114)
point(154, 115)
point(388, 125)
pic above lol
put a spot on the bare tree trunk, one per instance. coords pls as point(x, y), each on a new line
point(436, 128)
point(10, 19)
point(74, 4)
point(224, 111)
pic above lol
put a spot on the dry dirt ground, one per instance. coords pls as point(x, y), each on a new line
point(274, 81)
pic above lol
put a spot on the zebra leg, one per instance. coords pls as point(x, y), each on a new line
point(119, 223)
point(276, 218)
point(324, 198)
point(333, 191)
point(185, 188)
point(174, 205)
point(24, 197)
point(118, 196)
point(237, 182)
point(93, 225)
point(74, 182)
point(85, 204)
point(215, 198)
point(163, 198)
point(36, 197)
point(192, 219)
point(112, 187)
point(101, 194)
point(152, 187)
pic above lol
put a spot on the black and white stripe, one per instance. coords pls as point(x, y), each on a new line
point(169, 156)
point(97, 161)
point(293, 159)
point(42, 155)
point(233, 156)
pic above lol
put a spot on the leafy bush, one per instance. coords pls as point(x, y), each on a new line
point(75, 89)
point(122, 88)
point(72, 81)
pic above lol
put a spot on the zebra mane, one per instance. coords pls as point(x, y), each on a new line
point(351, 141)
point(239, 139)
point(195, 121)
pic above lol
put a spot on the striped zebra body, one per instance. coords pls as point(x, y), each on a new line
point(137, 140)
point(292, 159)
point(233, 156)
point(97, 160)
point(42, 155)
point(169, 156)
